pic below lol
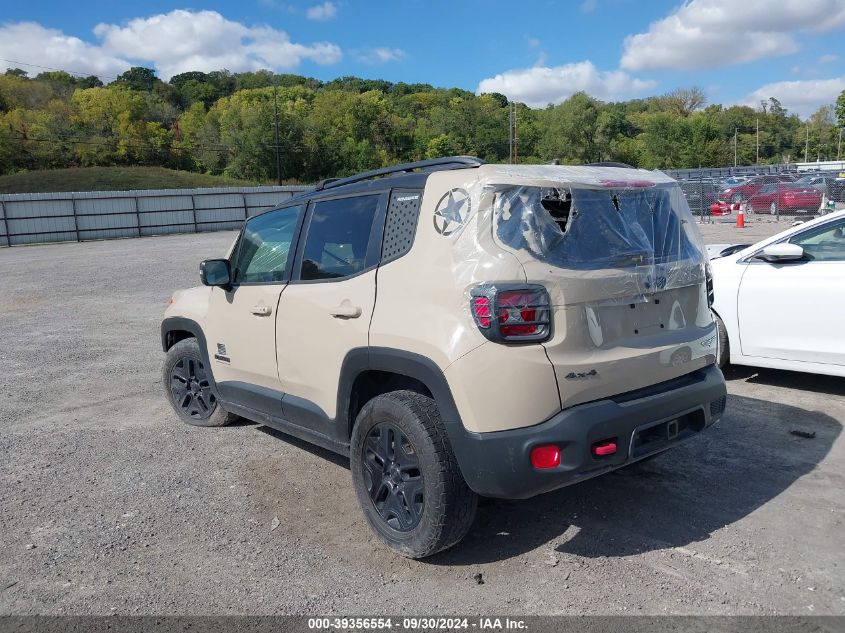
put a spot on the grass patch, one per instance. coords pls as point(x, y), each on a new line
point(111, 179)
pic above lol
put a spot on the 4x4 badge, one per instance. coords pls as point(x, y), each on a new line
point(451, 212)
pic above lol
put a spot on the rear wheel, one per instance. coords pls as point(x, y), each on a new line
point(187, 384)
point(723, 350)
point(406, 477)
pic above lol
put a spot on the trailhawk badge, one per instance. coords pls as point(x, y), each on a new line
point(451, 212)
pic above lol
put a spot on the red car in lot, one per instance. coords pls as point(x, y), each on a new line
point(750, 187)
point(783, 197)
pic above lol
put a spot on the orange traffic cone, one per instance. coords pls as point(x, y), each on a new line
point(740, 217)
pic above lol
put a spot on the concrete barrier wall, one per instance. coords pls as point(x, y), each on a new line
point(31, 218)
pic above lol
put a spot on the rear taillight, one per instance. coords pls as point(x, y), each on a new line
point(512, 312)
point(709, 282)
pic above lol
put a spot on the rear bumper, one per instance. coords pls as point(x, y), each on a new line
point(498, 464)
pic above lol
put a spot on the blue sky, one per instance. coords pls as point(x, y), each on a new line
point(537, 52)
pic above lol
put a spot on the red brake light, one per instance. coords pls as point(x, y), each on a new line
point(515, 309)
point(546, 456)
point(625, 184)
point(511, 312)
point(481, 311)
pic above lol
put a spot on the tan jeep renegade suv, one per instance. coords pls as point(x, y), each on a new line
point(458, 329)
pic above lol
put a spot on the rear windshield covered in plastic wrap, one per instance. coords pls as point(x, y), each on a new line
point(589, 228)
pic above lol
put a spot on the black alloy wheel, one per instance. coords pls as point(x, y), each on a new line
point(191, 388)
point(393, 477)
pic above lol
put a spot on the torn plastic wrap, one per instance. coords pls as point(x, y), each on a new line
point(590, 235)
point(618, 252)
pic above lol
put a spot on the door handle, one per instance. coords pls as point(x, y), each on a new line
point(261, 310)
point(345, 311)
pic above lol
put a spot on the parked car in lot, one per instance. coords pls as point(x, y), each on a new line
point(700, 195)
point(744, 191)
point(534, 326)
point(732, 181)
point(822, 182)
point(779, 302)
point(785, 198)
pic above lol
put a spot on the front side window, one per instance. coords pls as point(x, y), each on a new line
point(264, 250)
point(338, 237)
point(823, 243)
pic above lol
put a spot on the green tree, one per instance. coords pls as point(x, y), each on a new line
point(137, 78)
point(572, 130)
point(840, 109)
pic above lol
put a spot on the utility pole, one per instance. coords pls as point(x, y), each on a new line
point(515, 138)
point(510, 133)
point(758, 140)
point(839, 147)
point(276, 122)
point(807, 145)
point(735, 132)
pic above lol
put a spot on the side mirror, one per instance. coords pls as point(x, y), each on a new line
point(216, 272)
point(783, 252)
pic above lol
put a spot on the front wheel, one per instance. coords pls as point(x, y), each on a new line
point(723, 350)
point(187, 385)
point(406, 477)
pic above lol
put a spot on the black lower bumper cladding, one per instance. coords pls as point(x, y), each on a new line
point(498, 464)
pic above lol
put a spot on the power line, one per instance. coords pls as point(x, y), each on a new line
point(61, 70)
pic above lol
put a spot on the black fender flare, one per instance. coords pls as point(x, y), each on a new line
point(401, 362)
point(428, 373)
point(182, 324)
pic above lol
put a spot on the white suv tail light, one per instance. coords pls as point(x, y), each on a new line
point(513, 313)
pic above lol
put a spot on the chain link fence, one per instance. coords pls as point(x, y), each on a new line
point(787, 194)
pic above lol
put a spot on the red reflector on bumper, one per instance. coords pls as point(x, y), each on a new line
point(604, 448)
point(547, 456)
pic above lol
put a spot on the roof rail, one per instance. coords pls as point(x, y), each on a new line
point(453, 162)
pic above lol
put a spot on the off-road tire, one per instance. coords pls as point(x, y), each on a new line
point(723, 354)
point(188, 351)
point(449, 505)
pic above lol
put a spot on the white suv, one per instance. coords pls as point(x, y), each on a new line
point(458, 329)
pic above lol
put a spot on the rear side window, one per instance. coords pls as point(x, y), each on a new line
point(338, 238)
point(401, 225)
point(263, 253)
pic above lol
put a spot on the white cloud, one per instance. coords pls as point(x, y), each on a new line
point(325, 11)
point(183, 40)
point(31, 42)
point(382, 55)
point(828, 59)
point(541, 85)
point(713, 33)
point(801, 97)
point(588, 6)
point(173, 43)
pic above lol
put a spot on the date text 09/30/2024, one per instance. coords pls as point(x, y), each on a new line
point(417, 623)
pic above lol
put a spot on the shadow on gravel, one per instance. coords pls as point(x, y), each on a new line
point(679, 498)
point(319, 451)
point(816, 383)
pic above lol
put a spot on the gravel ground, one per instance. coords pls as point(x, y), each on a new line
point(109, 505)
point(724, 231)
